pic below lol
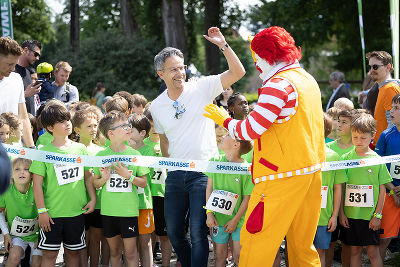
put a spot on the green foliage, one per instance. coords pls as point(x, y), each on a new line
point(316, 23)
point(31, 20)
point(120, 62)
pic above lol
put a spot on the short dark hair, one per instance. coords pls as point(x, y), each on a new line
point(117, 103)
point(128, 97)
point(53, 112)
point(348, 113)
point(327, 125)
point(382, 56)
point(11, 119)
point(245, 147)
point(396, 99)
point(232, 99)
point(9, 46)
point(140, 122)
point(81, 115)
point(106, 123)
point(3, 121)
point(31, 44)
point(147, 113)
point(364, 123)
point(139, 100)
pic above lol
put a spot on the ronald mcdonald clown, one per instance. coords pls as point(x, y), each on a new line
point(288, 132)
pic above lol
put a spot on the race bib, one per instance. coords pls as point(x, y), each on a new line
point(140, 190)
point(117, 183)
point(159, 176)
point(324, 196)
point(24, 227)
point(222, 201)
point(395, 170)
point(359, 196)
point(68, 174)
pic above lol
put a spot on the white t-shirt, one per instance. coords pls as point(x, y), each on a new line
point(11, 93)
point(192, 136)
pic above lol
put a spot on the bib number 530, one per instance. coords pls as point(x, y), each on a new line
point(222, 201)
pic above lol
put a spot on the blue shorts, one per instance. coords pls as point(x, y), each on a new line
point(221, 237)
point(322, 237)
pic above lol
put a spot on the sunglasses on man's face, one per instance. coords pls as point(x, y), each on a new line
point(35, 53)
point(374, 67)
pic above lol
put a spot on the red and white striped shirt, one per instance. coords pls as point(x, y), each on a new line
point(277, 102)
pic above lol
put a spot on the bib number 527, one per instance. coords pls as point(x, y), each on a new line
point(70, 173)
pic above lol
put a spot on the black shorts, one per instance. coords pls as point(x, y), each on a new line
point(159, 220)
point(94, 220)
point(335, 234)
point(125, 226)
point(359, 234)
point(67, 230)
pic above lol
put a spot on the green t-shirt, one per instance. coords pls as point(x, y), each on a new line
point(334, 146)
point(120, 204)
point(145, 199)
point(157, 190)
point(235, 183)
point(45, 139)
point(329, 179)
point(371, 175)
point(92, 150)
point(21, 205)
point(67, 199)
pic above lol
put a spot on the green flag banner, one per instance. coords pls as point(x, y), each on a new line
point(6, 19)
point(394, 25)
point(360, 19)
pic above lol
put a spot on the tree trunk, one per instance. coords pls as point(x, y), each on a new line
point(74, 25)
point(173, 24)
point(211, 19)
point(128, 14)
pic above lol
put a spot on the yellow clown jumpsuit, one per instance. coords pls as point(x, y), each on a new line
point(291, 194)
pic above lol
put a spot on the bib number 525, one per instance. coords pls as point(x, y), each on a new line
point(118, 182)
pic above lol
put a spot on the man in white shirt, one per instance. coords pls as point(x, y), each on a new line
point(12, 97)
point(186, 134)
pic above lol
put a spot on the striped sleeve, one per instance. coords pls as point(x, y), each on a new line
point(276, 101)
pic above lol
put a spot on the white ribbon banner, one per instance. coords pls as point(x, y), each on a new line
point(173, 164)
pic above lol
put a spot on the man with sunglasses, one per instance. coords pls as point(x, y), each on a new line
point(30, 55)
point(186, 134)
point(380, 67)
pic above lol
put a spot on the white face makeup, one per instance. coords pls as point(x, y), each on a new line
point(264, 66)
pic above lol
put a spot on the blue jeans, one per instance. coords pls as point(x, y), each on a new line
point(186, 191)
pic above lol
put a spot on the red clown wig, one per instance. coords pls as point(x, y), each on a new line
point(275, 44)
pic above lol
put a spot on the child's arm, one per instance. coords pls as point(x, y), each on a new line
point(211, 221)
point(4, 229)
point(91, 205)
point(375, 223)
point(44, 217)
point(105, 175)
point(230, 226)
point(337, 199)
point(343, 218)
point(123, 171)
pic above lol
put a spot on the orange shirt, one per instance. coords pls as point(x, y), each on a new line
point(383, 104)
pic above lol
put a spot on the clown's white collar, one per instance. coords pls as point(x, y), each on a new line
point(282, 66)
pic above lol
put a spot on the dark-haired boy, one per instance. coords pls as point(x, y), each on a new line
point(389, 144)
point(140, 130)
point(119, 196)
point(59, 191)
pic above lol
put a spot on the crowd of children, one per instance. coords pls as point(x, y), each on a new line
point(101, 213)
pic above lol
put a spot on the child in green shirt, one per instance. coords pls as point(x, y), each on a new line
point(85, 123)
point(343, 144)
point(59, 190)
point(140, 130)
point(227, 221)
point(361, 213)
point(20, 230)
point(119, 196)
